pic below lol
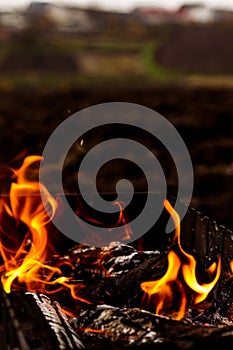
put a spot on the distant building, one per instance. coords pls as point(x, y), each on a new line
point(196, 13)
point(62, 18)
point(109, 21)
point(38, 8)
point(12, 20)
point(223, 16)
point(71, 19)
point(187, 13)
point(154, 15)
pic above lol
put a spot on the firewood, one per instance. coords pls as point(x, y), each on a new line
point(33, 321)
point(136, 328)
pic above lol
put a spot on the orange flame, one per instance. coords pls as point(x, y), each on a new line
point(123, 221)
point(231, 265)
point(124, 234)
point(162, 290)
point(24, 259)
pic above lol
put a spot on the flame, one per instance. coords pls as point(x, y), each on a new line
point(24, 258)
point(25, 248)
point(25, 235)
point(185, 267)
point(122, 220)
point(231, 265)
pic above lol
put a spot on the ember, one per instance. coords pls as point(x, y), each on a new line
point(108, 297)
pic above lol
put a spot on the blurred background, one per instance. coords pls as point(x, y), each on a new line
point(58, 58)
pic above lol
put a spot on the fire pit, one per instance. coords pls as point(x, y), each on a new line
point(162, 291)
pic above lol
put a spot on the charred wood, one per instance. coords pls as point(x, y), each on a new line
point(32, 321)
point(134, 328)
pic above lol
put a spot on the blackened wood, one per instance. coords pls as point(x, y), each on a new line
point(33, 322)
point(227, 254)
point(121, 289)
point(188, 228)
point(224, 296)
point(136, 328)
point(89, 262)
point(215, 241)
point(201, 232)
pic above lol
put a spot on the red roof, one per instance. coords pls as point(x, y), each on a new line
point(155, 11)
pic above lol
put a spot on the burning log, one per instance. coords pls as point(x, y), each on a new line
point(136, 328)
point(124, 288)
point(115, 259)
point(110, 274)
point(32, 321)
point(158, 277)
point(115, 296)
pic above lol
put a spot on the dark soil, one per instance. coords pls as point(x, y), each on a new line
point(203, 116)
point(194, 49)
point(38, 62)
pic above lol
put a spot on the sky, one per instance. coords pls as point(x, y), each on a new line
point(121, 5)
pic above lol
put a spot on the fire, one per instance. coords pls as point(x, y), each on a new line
point(231, 265)
point(179, 269)
point(24, 258)
point(25, 249)
point(25, 237)
point(122, 220)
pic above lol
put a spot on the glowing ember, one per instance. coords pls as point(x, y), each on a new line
point(179, 269)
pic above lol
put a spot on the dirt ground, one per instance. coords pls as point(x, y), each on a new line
point(198, 49)
point(49, 62)
point(203, 116)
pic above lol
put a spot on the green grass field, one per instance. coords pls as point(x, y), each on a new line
point(100, 61)
point(114, 60)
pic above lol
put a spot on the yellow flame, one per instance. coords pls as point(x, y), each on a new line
point(25, 261)
point(231, 265)
point(25, 258)
point(162, 288)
